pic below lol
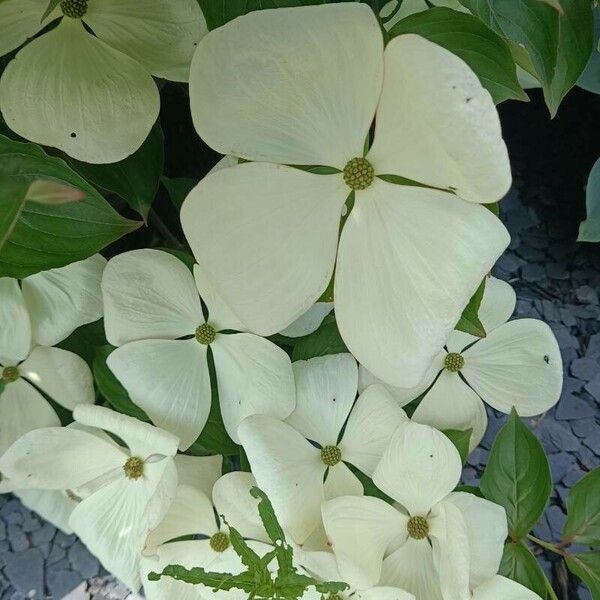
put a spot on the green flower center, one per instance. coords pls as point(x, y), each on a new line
point(10, 374)
point(418, 528)
point(206, 334)
point(74, 8)
point(134, 467)
point(454, 362)
point(359, 173)
point(331, 455)
point(219, 542)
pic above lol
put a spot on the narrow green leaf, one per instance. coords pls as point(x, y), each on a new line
point(136, 178)
point(554, 46)
point(469, 321)
point(84, 341)
point(325, 340)
point(462, 441)
point(518, 476)
point(589, 230)
point(587, 567)
point(520, 565)
point(51, 6)
point(212, 580)
point(583, 511)
point(110, 387)
point(46, 236)
point(268, 517)
point(466, 36)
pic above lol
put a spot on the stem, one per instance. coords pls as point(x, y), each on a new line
point(394, 12)
point(546, 545)
point(160, 226)
point(550, 589)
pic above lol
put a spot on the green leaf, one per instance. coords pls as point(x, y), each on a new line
point(84, 341)
point(587, 567)
point(590, 78)
point(134, 179)
point(517, 476)
point(46, 236)
point(198, 576)
point(469, 321)
point(589, 230)
point(325, 340)
point(520, 565)
point(554, 46)
point(462, 441)
point(466, 36)
point(268, 517)
point(178, 189)
point(583, 511)
point(110, 387)
point(219, 12)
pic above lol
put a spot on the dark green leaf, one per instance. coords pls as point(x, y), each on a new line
point(46, 236)
point(84, 341)
point(462, 441)
point(215, 581)
point(587, 567)
point(12, 201)
point(517, 476)
point(134, 179)
point(370, 489)
point(469, 489)
point(51, 6)
point(520, 565)
point(267, 516)
point(583, 511)
point(178, 189)
point(466, 36)
point(589, 230)
point(554, 46)
point(110, 387)
point(325, 340)
point(590, 78)
point(469, 321)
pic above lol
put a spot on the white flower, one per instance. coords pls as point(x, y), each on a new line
point(43, 311)
point(126, 491)
point(434, 543)
point(518, 364)
point(502, 588)
point(301, 462)
point(310, 321)
point(153, 312)
point(194, 513)
point(92, 95)
point(323, 565)
point(298, 86)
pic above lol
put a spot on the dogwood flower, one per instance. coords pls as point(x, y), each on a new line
point(86, 85)
point(518, 364)
point(193, 513)
point(310, 321)
point(154, 314)
point(301, 86)
point(300, 462)
point(323, 565)
point(126, 491)
point(44, 310)
point(434, 543)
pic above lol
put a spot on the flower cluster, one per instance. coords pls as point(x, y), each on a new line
point(392, 222)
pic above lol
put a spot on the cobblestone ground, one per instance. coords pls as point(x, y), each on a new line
point(556, 280)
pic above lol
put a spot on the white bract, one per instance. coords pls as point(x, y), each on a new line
point(92, 95)
point(34, 316)
point(435, 543)
point(125, 491)
point(499, 587)
point(300, 462)
point(193, 513)
point(518, 364)
point(310, 321)
point(301, 86)
point(153, 313)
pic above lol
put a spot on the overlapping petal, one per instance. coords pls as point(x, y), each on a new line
point(395, 318)
point(149, 294)
point(71, 69)
point(309, 321)
point(60, 300)
point(160, 34)
point(269, 251)
point(169, 380)
point(15, 326)
point(436, 123)
point(501, 587)
point(21, 19)
point(295, 86)
point(419, 468)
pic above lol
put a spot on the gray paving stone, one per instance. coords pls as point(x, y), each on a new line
point(593, 387)
point(25, 571)
point(585, 368)
point(62, 582)
point(83, 561)
point(571, 407)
